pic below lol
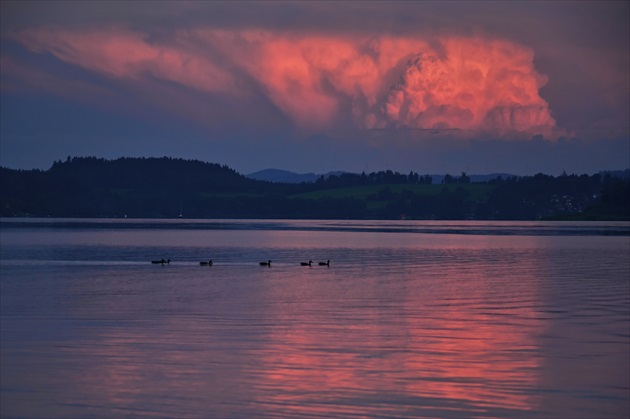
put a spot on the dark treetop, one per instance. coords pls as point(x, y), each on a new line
point(167, 187)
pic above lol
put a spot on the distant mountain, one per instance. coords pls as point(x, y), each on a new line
point(285, 176)
point(282, 176)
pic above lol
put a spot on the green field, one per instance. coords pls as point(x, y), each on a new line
point(476, 191)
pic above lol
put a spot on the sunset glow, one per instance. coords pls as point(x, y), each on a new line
point(475, 84)
point(316, 86)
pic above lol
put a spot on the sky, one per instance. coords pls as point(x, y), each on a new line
point(518, 87)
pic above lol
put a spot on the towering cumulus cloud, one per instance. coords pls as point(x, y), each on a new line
point(474, 85)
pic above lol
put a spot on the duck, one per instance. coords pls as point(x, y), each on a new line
point(325, 263)
point(268, 263)
point(309, 263)
point(161, 261)
point(204, 263)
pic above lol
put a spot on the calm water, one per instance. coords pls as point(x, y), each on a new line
point(411, 319)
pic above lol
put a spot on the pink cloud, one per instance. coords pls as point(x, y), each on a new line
point(475, 84)
point(125, 54)
point(479, 85)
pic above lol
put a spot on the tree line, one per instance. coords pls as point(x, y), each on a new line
point(169, 187)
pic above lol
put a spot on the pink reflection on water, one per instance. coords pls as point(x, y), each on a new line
point(400, 325)
point(410, 349)
point(422, 342)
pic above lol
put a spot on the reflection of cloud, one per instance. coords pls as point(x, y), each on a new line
point(476, 84)
point(447, 347)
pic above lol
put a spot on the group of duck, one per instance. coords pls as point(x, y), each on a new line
point(309, 263)
point(265, 263)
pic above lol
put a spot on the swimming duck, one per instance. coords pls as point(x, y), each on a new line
point(325, 263)
point(309, 263)
point(268, 263)
point(208, 263)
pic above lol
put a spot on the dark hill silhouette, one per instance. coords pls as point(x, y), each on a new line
point(90, 186)
point(167, 188)
point(150, 173)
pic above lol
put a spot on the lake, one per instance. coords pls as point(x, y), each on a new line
point(412, 319)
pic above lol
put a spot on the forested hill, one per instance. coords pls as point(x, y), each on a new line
point(167, 187)
point(148, 173)
point(90, 186)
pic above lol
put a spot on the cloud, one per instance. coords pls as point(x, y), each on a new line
point(125, 54)
point(479, 85)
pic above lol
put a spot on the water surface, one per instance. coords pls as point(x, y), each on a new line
point(411, 319)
